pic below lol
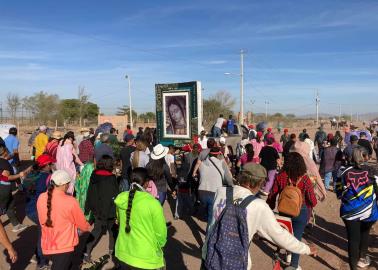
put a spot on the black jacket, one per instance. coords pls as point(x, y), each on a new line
point(367, 145)
point(102, 190)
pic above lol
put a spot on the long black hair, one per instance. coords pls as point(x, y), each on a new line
point(140, 177)
point(250, 152)
point(68, 135)
point(177, 103)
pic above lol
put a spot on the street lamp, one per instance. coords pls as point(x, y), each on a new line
point(241, 74)
point(130, 109)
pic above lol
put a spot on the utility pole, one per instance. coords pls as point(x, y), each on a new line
point(266, 110)
point(130, 109)
point(241, 119)
point(317, 100)
point(339, 113)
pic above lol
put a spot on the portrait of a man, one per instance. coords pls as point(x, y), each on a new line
point(176, 113)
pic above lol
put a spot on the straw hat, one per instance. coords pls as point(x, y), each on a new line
point(56, 135)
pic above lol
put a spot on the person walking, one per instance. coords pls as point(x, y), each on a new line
point(52, 145)
point(139, 158)
point(364, 142)
point(142, 227)
point(12, 143)
point(125, 156)
point(285, 137)
point(288, 145)
point(60, 217)
point(358, 210)
point(159, 172)
point(4, 241)
point(327, 164)
point(103, 189)
point(35, 184)
point(86, 148)
point(247, 157)
point(103, 148)
point(214, 173)
point(41, 141)
point(295, 173)
point(257, 144)
point(66, 158)
point(7, 177)
point(260, 218)
point(270, 160)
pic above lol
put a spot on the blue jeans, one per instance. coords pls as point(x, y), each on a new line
point(217, 132)
point(327, 179)
point(40, 258)
point(207, 200)
point(299, 225)
point(334, 178)
point(162, 197)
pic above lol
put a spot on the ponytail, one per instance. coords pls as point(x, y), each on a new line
point(135, 163)
point(139, 176)
point(49, 198)
point(128, 210)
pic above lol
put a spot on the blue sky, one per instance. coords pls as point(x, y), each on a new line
point(293, 48)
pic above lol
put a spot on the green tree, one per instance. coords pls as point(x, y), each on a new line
point(43, 106)
point(125, 110)
point(220, 103)
point(70, 110)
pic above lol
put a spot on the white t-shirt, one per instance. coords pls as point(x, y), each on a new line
point(169, 159)
point(219, 122)
point(203, 142)
point(260, 219)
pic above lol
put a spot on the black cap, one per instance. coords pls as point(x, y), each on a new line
point(353, 138)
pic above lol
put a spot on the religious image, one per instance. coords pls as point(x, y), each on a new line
point(176, 114)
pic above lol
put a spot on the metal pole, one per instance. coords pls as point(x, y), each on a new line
point(317, 100)
point(339, 113)
point(130, 108)
point(266, 110)
point(241, 119)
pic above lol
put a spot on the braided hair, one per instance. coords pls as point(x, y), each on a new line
point(250, 152)
point(138, 176)
point(49, 198)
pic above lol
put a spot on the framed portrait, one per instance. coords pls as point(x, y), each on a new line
point(176, 120)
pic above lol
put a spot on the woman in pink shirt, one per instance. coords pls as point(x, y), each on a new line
point(60, 217)
point(66, 158)
point(257, 144)
point(247, 157)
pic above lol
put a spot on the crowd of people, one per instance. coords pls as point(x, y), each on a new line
point(83, 186)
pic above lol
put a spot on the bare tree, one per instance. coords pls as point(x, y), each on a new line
point(83, 101)
point(13, 103)
point(220, 103)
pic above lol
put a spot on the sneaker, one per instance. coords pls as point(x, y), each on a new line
point(44, 267)
point(19, 228)
point(33, 260)
point(288, 258)
point(364, 262)
point(293, 268)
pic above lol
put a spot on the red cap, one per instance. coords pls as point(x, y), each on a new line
point(44, 160)
point(269, 129)
point(251, 126)
point(259, 134)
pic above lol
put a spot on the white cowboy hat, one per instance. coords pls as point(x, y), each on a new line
point(159, 152)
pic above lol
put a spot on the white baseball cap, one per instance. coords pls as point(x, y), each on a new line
point(222, 140)
point(42, 128)
point(60, 177)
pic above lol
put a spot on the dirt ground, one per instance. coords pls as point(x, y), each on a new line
point(185, 238)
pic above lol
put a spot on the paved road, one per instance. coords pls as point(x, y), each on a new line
point(186, 237)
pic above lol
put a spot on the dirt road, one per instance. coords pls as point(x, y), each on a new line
point(186, 237)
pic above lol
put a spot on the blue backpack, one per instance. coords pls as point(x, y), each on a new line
point(228, 242)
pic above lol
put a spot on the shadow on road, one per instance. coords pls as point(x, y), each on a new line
point(175, 250)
